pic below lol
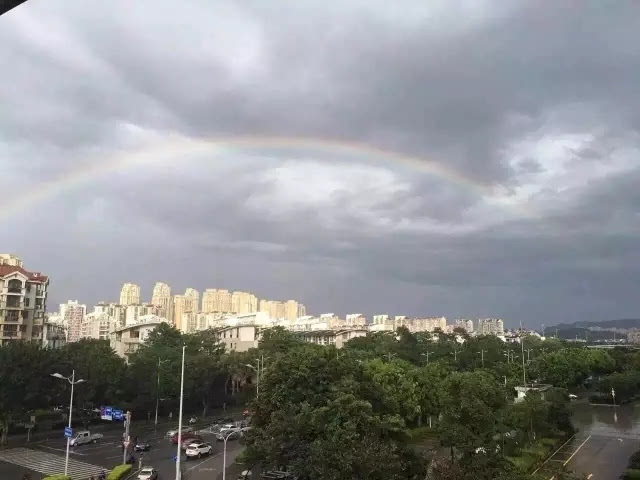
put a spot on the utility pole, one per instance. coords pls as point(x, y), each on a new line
point(427, 354)
point(455, 355)
point(72, 380)
point(178, 455)
point(543, 329)
point(160, 362)
point(481, 353)
point(524, 370)
point(127, 441)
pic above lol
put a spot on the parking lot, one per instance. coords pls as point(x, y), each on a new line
point(47, 456)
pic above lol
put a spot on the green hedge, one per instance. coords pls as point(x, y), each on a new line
point(631, 474)
point(57, 477)
point(119, 472)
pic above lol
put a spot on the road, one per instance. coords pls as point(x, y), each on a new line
point(605, 440)
point(47, 456)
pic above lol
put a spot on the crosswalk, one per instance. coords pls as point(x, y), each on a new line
point(48, 463)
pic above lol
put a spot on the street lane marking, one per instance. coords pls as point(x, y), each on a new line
point(589, 476)
point(63, 451)
point(211, 457)
point(552, 455)
point(48, 463)
point(577, 450)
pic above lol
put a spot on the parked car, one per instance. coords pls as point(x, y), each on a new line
point(197, 449)
point(148, 473)
point(188, 441)
point(573, 396)
point(184, 436)
point(142, 446)
point(245, 475)
point(84, 437)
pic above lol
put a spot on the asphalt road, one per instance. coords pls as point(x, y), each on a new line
point(107, 453)
point(602, 447)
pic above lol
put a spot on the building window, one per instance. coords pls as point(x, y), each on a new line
point(27, 301)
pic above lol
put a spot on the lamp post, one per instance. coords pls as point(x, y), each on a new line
point(160, 362)
point(224, 454)
point(178, 474)
point(72, 380)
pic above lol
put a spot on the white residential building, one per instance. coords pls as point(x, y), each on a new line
point(161, 298)
point(490, 326)
point(129, 294)
point(54, 334)
point(23, 301)
point(355, 320)
point(127, 340)
point(98, 326)
point(239, 338)
point(464, 323)
point(338, 337)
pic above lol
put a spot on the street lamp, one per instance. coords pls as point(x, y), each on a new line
point(72, 380)
point(160, 362)
point(178, 474)
point(224, 454)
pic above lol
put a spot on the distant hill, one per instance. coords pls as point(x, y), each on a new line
point(592, 331)
point(604, 324)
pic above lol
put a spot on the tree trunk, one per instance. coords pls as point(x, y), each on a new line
point(420, 420)
point(5, 431)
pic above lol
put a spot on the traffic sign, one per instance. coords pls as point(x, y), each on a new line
point(68, 432)
point(117, 414)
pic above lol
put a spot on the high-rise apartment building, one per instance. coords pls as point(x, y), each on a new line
point(490, 326)
point(464, 323)
point(23, 301)
point(73, 314)
point(97, 326)
point(179, 304)
point(192, 300)
point(130, 294)
point(116, 311)
point(302, 310)
point(161, 297)
point(216, 300)
point(243, 302)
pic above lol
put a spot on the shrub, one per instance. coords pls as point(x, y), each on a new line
point(57, 477)
point(631, 474)
point(119, 472)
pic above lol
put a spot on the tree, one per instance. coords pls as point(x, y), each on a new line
point(25, 381)
point(471, 404)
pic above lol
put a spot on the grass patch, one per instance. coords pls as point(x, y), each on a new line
point(533, 455)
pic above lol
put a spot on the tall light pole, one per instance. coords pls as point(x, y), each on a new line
point(224, 454)
point(178, 475)
point(72, 380)
point(160, 362)
point(481, 353)
point(427, 353)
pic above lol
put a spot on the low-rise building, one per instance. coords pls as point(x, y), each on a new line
point(338, 337)
point(126, 340)
point(98, 326)
point(239, 338)
point(54, 334)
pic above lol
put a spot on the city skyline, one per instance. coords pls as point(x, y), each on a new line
point(461, 159)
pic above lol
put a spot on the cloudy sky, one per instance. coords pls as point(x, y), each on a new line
point(457, 158)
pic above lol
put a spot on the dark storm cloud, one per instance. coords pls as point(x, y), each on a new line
point(540, 98)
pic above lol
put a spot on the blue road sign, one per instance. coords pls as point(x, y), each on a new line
point(117, 414)
point(68, 432)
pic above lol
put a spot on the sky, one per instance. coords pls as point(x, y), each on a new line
point(457, 158)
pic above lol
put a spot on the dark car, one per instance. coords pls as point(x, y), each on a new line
point(143, 446)
point(185, 436)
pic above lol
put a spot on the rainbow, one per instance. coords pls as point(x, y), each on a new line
point(175, 146)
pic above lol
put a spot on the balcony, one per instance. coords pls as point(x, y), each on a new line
point(14, 290)
point(10, 304)
point(12, 316)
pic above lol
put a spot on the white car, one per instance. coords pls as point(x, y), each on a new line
point(573, 396)
point(148, 473)
point(198, 449)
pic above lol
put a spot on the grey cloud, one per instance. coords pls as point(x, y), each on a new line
point(439, 83)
